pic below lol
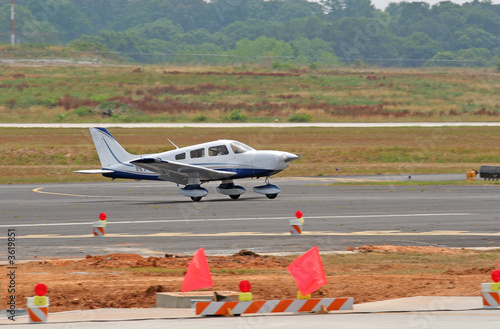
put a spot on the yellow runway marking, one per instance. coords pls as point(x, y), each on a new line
point(39, 190)
point(342, 180)
point(308, 233)
point(355, 180)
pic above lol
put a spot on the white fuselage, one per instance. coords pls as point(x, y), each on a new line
point(223, 155)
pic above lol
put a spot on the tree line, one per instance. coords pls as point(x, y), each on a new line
point(330, 32)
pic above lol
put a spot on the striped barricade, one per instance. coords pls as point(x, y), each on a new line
point(491, 295)
point(37, 313)
point(99, 228)
point(295, 226)
point(275, 306)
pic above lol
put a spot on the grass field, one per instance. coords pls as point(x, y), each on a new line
point(238, 94)
point(50, 155)
point(102, 94)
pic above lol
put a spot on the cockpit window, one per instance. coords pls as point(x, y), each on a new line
point(217, 150)
point(238, 147)
point(199, 153)
point(180, 156)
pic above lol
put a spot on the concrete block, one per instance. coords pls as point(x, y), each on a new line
point(188, 299)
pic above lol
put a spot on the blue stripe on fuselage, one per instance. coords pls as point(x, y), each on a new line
point(240, 173)
point(249, 172)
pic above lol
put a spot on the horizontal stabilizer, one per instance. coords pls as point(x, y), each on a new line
point(94, 171)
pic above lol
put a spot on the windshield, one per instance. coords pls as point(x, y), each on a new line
point(238, 147)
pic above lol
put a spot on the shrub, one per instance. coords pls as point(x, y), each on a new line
point(359, 64)
point(300, 117)
point(50, 101)
point(200, 118)
point(99, 98)
point(276, 65)
point(313, 66)
point(236, 115)
point(83, 111)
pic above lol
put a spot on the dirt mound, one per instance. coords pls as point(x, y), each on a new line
point(387, 248)
point(130, 280)
point(485, 270)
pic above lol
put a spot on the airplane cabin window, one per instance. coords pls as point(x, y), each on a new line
point(238, 147)
point(218, 150)
point(198, 153)
point(180, 156)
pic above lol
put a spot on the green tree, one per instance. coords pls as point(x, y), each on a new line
point(484, 19)
point(358, 8)
point(418, 48)
point(137, 13)
point(262, 46)
point(315, 50)
point(103, 13)
point(165, 47)
point(68, 20)
point(162, 29)
point(354, 29)
point(406, 16)
point(365, 39)
point(476, 56)
point(479, 38)
point(87, 43)
point(197, 37)
point(190, 14)
point(445, 58)
point(336, 9)
point(129, 44)
point(293, 9)
point(228, 12)
point(27, 29)
point(309, 27)
point(251, 29)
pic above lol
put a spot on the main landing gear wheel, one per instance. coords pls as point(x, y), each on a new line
point(235, 196)
point(196, 199)
point(272, 196)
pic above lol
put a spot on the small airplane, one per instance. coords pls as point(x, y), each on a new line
point(191, 166)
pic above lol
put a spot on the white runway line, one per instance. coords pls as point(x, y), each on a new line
point(234, 219)
point(261, 234)
point(254, 125)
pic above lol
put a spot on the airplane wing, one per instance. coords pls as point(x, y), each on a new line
point(180, 172)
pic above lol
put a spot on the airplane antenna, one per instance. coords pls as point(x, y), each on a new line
point(173, 143)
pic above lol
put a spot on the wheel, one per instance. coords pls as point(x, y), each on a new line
point(272, 196)
point(196, 198)
point(235, 196)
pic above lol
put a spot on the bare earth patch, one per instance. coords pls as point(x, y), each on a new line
point(130, 280)
point(387, 248)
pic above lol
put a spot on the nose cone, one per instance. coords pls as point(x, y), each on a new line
point(288, 157)
point(272, 160)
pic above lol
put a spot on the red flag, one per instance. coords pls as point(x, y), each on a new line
point(308, 271)
point(197, 274)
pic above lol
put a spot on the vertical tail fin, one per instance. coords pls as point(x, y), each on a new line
point(109, 150)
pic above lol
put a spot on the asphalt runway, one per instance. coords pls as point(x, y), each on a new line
point(152, 218)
